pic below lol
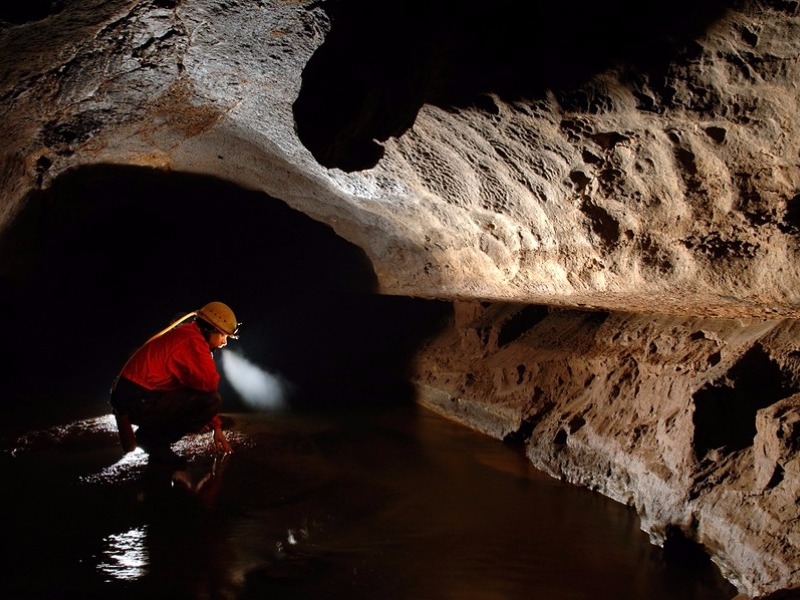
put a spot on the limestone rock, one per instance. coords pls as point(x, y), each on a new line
point(635, 167)
point(668, 184)
point(691, 421)
point(776, 444)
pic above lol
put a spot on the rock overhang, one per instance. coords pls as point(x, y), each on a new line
point(673, 192)
point(665, 188)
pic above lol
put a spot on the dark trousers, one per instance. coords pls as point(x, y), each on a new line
point(164, 417)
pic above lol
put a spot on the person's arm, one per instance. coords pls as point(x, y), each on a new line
point(218, 438)
point(195, 368)
point(220, 441)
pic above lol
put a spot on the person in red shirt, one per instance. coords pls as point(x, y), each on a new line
point(168, 387)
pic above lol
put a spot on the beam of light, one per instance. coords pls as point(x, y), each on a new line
point(258, 388)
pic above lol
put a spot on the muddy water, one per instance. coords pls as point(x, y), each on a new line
point(397, 504)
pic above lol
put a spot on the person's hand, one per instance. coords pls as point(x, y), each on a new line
point(220, 442)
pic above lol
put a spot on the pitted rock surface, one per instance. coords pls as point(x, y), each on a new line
point(693, 421)
point(673, 191)
point(648, 172)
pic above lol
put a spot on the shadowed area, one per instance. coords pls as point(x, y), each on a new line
point(110, 255)
point(398, 503)
point(18, 11)
point(725, 410)
point(382, 61)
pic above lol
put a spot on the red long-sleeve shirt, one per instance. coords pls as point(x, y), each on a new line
point(179, 359)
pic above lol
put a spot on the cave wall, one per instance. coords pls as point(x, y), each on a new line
point(640, 178)
point(695, 422)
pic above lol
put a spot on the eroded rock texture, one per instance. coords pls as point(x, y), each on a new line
point(692, 421)
point(637, 164)
point(653, 175)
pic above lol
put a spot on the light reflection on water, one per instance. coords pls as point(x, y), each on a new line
point(399, 504)
point(125, 557)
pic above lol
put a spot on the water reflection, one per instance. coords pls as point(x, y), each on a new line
point(394, 504)
point(125, 557)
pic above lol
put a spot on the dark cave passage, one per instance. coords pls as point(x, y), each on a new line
point(30, 10)
point(110, 255)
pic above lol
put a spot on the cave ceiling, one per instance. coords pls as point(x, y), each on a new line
point(593, 155)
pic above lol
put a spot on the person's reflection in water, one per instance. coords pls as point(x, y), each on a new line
point(188, 541)
point(205, 482)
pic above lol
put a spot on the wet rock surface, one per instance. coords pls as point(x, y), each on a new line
point(691, 421)
point(642, 178)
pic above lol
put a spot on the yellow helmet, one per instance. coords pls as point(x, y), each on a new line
point(220, 316)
